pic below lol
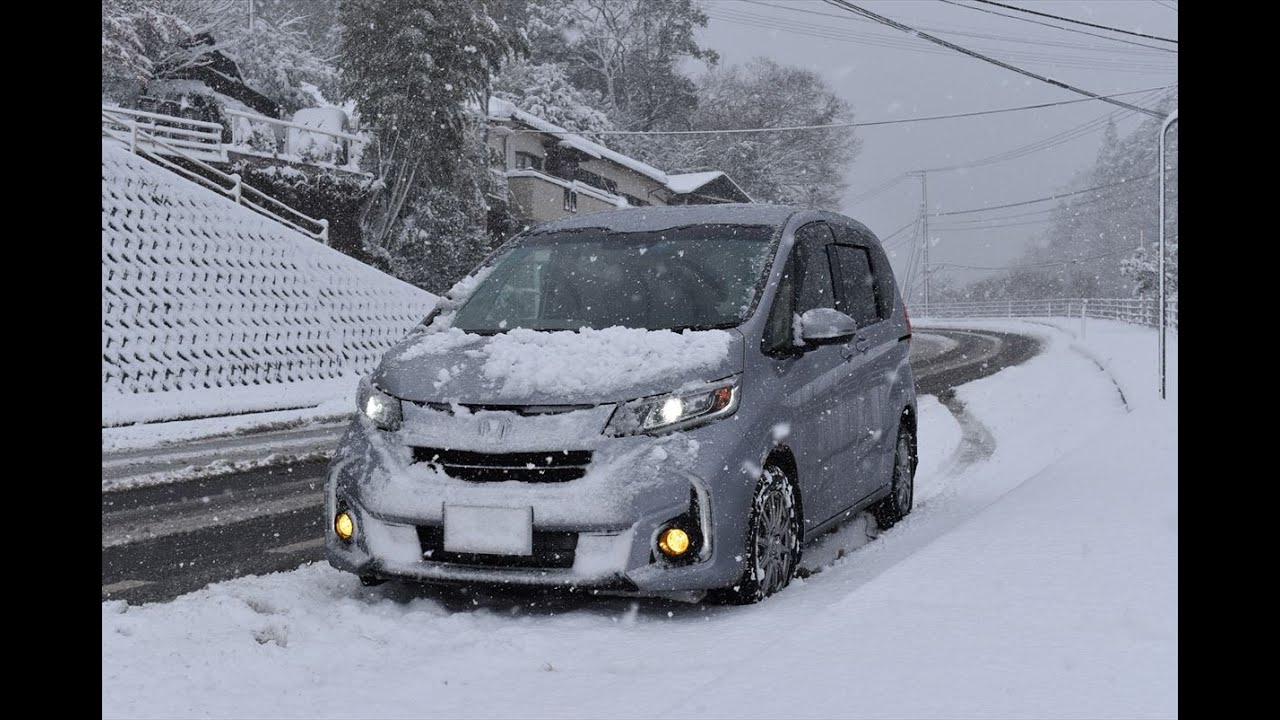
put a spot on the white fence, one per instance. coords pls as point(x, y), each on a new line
point(1141, 311)
point(294, 142)
point(151, 135)
point(166, 134)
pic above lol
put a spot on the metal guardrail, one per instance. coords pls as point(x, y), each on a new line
point(124, 125)
point(196, 139)
point(286, 140)
point(1140, 311)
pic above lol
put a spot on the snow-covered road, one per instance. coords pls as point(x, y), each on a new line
point(1036, 577)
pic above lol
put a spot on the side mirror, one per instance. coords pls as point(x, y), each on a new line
point(824, 326)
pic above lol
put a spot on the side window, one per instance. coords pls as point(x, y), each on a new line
point(814, 268)
point(882, 274)
point(777, 333)
point(856, 292)
point(805, 284)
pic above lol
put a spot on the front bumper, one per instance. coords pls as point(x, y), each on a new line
point(611, 517)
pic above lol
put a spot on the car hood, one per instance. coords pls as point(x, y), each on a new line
point(526, 367)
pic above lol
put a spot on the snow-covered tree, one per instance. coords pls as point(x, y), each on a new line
point(1102, 242)
point(628, 51)
point(140, 38)
point(804, 167)
point(414, 67)
point(277, 60)
point(545, 90)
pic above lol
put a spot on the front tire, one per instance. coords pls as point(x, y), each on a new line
point(902, 491)
point(773, 541)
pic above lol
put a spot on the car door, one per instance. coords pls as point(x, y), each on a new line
point(868, 457)
point(809, 376)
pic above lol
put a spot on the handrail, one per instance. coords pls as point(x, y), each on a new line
point(349, 147)
point(289, 123)
point(168, 118)
point(238, 187)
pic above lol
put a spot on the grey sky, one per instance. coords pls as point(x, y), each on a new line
point(885, 74)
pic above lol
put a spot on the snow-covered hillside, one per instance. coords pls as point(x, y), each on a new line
point(1037, 577)
point(210, 308)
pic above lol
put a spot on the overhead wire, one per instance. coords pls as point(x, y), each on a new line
point(851, 7)
point(1073, 60)
point(1073, 261)
point(1038, 42)
point(1060, 18)
point(854, 124)
point(1047, 198)
point(1059, 27)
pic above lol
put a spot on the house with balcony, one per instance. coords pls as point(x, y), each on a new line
point(551, 172)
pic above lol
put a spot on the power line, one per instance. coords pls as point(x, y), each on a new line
point(876, 123)
point(1033, 213)
point(999, 63)
point(1054, 140)
point(1120, 194)
point(1042, 264)
point(992, 226)
point(1077, 22)
point(1043, 199)
point(862, 197)
point(1166, 6)
point(1059, 27)
point(886, 238)
point(771, 22)
point(1038, 42)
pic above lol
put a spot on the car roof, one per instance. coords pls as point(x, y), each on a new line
point(663, 217)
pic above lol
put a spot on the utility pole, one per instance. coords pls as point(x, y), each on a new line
point(250, 15)
point(924, 215)
point(1168, 122)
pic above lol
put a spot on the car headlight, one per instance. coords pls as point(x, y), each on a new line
point(675, 411)
point(381, 408)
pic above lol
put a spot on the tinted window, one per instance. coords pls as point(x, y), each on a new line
point(857, 293)
point(883, 274)
point(814, 268)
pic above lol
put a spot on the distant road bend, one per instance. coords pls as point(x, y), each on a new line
point(163, 540)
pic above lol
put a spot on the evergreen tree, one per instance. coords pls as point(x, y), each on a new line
point(414, 67)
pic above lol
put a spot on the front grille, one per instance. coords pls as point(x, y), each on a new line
point(551, 550)
point(549, 466)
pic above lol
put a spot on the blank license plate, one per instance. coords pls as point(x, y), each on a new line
point(488, 530)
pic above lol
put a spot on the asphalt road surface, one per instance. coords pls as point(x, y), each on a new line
point(163, 540)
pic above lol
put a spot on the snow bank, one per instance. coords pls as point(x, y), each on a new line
point(209, 308)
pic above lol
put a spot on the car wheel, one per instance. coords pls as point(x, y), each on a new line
point(902, 491)
point(773, 541)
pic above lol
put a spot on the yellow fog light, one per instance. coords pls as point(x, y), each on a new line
point(674, 542)
point(344, 525)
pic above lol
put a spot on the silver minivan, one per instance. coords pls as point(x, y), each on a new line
point(649, 401)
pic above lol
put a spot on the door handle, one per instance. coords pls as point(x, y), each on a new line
point(862, 343)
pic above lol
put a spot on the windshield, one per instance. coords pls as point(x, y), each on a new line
point(701, 276)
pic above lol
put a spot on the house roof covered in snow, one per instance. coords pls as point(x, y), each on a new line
point(680, 184)
point(710, 182)
point(661, 217)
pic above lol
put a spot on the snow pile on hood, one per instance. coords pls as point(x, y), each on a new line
point(568, 363)
point(526, 361)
